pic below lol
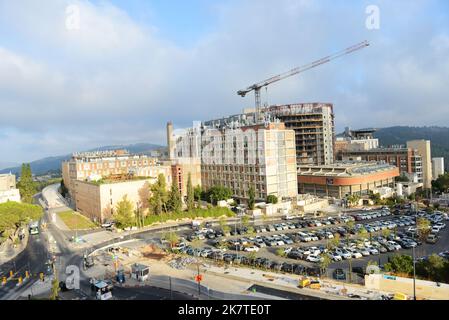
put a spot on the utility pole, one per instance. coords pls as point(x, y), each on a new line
point(414, 266)
point(171, 291)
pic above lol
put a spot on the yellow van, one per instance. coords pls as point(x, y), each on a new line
point(400, 296)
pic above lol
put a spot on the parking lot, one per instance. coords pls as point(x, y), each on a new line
point(299, 245)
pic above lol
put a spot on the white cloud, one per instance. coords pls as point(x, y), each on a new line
point(115, 80)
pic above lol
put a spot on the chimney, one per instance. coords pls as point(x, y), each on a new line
point(170, 144)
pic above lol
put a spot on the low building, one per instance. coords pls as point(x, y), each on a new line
point(98, 199)
point(83, 166)
point(8, 190)
point(345, 178)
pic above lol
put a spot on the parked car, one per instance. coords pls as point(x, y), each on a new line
point(432, 238)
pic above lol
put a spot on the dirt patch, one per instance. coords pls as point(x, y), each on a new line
point(153, 252)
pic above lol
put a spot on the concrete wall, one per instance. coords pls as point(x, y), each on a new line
point(424, 289)
point(7, 182)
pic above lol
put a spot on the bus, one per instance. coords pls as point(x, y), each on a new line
point(34, 227)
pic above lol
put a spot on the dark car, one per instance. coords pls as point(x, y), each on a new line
point(287, 267)
point(313, 272)
point(358, 270)
point(88, 262)
point(276, 266)
point(339, 274)
point(298, 269)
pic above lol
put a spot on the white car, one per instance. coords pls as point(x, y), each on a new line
point(372, 250)
point(395, 245)
point(252, 249)
point(314, 251)
point(354, 253)
point(314, 258)
point(343, 253)
point(440, 225)
point(334, 256)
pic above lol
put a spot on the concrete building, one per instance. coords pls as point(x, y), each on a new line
point(345, 178)
point(98, 200)
point(313, 124)
point(437, 167)
point(94, 165)
point(8, 190)
point(237, 157)
point(423, 147)
point(408, 160)
point(356, 140)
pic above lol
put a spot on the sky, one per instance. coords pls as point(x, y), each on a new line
point(76, 75)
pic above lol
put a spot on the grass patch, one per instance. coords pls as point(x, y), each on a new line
point(214, 212)
point(75, 221)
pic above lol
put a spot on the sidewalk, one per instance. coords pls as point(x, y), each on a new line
point(9, 252)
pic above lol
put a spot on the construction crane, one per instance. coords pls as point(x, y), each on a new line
point(257, 86)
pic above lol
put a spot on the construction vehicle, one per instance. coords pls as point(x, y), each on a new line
point(257, 86)
point(400, 296)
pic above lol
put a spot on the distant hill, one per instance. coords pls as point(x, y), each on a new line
point(53, 164)
point(4, 165)
point(439, 137)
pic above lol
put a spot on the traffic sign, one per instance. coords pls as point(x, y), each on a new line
point(199, 278)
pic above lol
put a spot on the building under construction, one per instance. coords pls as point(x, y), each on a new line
point(313, 124)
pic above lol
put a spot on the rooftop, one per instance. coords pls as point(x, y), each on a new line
point(345, 169)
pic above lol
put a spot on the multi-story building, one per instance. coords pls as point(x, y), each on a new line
point(313, 124)
point(262, 156)
point(98, 199)
point(408, 160)
point(8, 190)
point(92, 165)
point(346, 178)
point(437, 167)
point(423, 147)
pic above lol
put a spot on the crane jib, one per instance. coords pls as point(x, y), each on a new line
point(257, 86)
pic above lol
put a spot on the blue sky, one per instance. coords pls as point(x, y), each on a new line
point(133, 65)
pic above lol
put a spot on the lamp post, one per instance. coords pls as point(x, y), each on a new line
point(414, 258)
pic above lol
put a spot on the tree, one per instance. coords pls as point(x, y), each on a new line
point(272, 199)
point(218, 193)
point(26, 185)
point(252, 256)
point(14, 215)
point(324, 263)
point(55, 289)
point(422, 228)
point(124, 213)
point(441, 184)
point(386, 233)
point(172, 238)
point(64, 190)
point(280, 252)
point(335, 241)
point(353, 199)
point(402, 178)
point(159, 195)
point(175, 202)
point(375, 197)
point(190, 201)
point(251, 198)
point(400, 264)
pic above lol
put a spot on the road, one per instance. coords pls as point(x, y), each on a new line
point(39, 250)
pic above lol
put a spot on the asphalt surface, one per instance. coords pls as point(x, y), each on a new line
point(281, 293)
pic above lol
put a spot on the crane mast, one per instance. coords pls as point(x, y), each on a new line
point(257, 86)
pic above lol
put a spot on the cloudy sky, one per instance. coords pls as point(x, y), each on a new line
point(76, 75)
